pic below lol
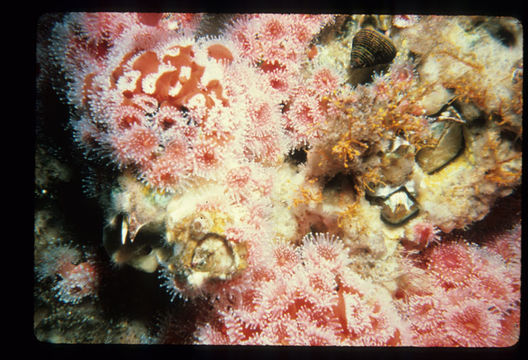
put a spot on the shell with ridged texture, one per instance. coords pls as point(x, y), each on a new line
point(370, 47)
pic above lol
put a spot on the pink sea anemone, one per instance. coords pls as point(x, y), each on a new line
point(452, 263)
point(135, 145)
point(151, 83)
point(470, 323)
point(425, 234)
point(472, 306)
point(298, 300)
point(77, 282)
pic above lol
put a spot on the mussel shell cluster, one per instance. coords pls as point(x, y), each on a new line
point(369, 48)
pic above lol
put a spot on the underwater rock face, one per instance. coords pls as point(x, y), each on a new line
point(278, 179)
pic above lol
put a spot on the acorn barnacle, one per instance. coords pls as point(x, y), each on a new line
point(398, 207)
point(369, 48)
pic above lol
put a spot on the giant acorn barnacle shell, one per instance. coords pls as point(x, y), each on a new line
point(370, 47)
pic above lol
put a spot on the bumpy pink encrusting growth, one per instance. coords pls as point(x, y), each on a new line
point(403, 21)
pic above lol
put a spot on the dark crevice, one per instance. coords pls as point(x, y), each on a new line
point(133, 294)
point(298, 156)
point(340, 182)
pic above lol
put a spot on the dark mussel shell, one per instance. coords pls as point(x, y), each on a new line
point(370, 47)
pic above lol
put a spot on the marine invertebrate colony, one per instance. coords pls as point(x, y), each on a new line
point(312, 299)
point(294, 179)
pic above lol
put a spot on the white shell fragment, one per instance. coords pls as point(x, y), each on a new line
point(381, 191)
